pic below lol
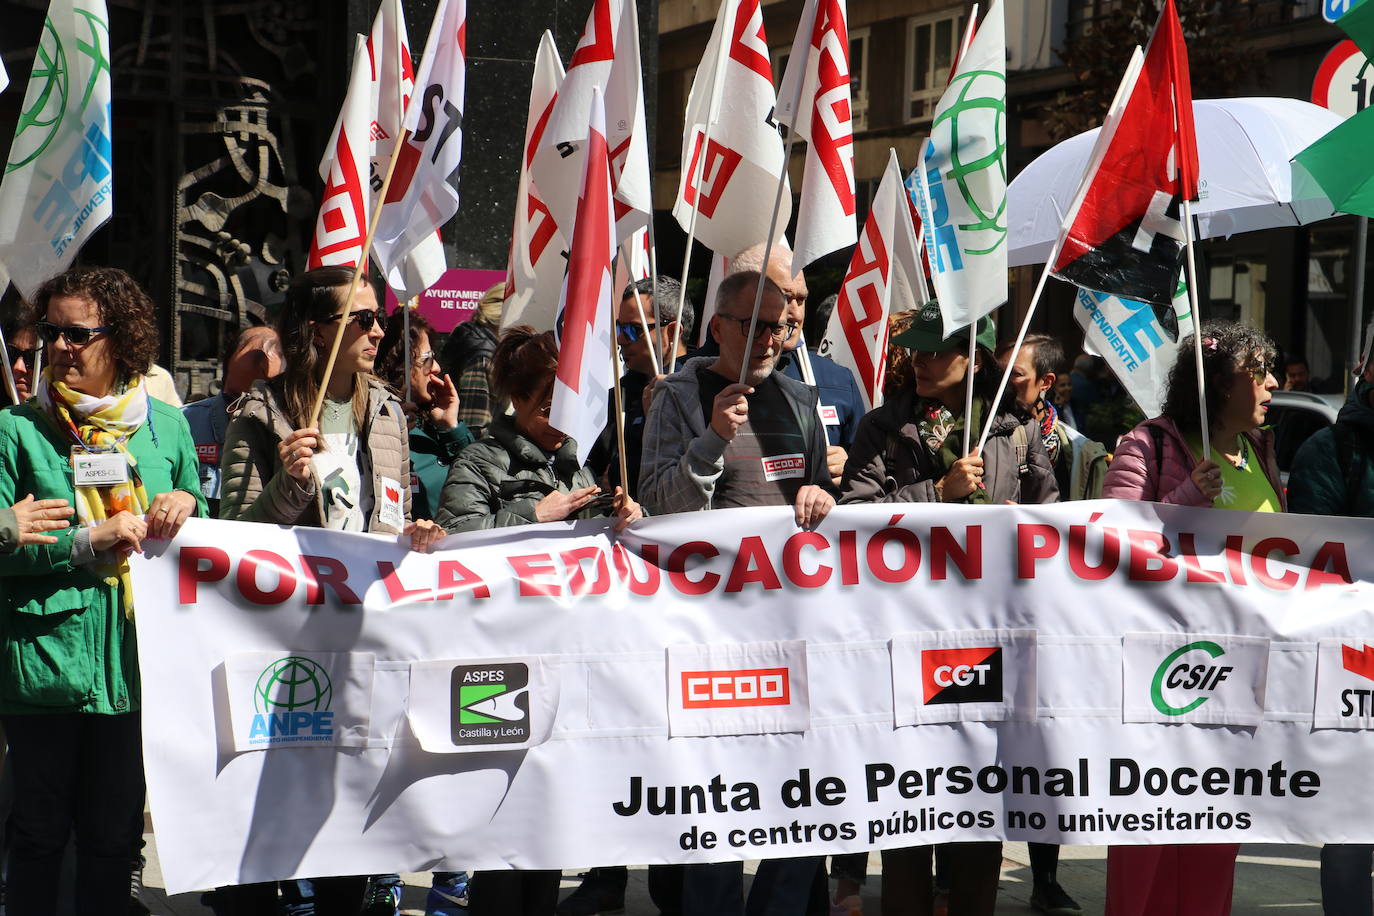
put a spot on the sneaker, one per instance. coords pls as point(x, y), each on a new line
point(597, 894)
point(1052, 900)
point(849, 906)
point(136, 905)
point(447, 897)
point(383, 897)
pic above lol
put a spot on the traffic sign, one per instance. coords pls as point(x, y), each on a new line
point(1345, 81)
point(1335, 9)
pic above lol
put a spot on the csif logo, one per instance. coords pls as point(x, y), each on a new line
point(291, 699)
point(734, 688)
point(1177, 673)
point(972, 675)
point(490, 704)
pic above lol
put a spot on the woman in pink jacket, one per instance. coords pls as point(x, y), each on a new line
point(1161, 460)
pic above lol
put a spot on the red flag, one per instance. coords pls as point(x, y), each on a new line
point(582, 384)
point(1124, 235)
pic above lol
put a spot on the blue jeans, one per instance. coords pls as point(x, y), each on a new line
point(1347, 889)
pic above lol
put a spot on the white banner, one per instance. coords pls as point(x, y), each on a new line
point(904, 674)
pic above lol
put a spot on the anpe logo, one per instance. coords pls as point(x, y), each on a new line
point(961, 675)
point(1178, 674)
point(741, 687)
point(292, 698)
point(491, 704)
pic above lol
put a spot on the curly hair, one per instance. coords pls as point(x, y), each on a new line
point(313, 297)
point(1228, 347)
point(900, 373)
point(391, 354)
point(122, 306)
point(524, 363)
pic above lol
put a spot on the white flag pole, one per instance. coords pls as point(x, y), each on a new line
point(1197, 327)
point(968, 386)
point(773, 220)
point(687, 252)
point(9, 366)
point(643, 319)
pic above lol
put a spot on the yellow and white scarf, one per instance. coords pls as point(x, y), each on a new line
point(103, 425)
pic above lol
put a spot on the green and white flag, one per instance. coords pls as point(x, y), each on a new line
point(56, 189)
point(964, 213)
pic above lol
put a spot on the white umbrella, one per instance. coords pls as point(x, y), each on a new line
point(1244, 181)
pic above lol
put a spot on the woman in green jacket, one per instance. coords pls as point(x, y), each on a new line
point(69, 688)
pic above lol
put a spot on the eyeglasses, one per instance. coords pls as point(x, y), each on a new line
point(27, 357)
point(778, 331)
point(366, 319)
point(633, 330)
point(424, 360)
point(1259, 373)
point(76, 335)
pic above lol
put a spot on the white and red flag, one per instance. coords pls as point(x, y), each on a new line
point(420, 199)
point(393, 82)
point(816, 84)
point(884, 277)
point(341, 225)
point(539, 248)
point(1123, 235)
point(606, 58)
point(582, 383)
point(729, 179)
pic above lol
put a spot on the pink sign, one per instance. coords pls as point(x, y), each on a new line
point(454, 298)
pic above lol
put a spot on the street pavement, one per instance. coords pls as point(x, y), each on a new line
point(1270, 881)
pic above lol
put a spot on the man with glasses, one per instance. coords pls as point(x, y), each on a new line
point(638, 351)
point(841, 403)
point(713, 443)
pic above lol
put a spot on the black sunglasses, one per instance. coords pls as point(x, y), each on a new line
point(26, 356)
point(76, 335)
point(365, 319)
point(632, 330)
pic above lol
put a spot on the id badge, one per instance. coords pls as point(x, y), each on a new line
point(99, 469)
point(390, 510)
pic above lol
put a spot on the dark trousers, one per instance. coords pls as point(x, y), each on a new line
point(513, 893)
point(908, 888)
point(781, 887)
point(1347, 889)
point(74, 774)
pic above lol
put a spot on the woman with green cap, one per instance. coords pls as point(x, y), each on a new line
point(908, 450)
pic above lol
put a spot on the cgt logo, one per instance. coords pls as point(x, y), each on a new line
point(490, 704)
point(741, 687)
point(961, 675)
point(1177, 673)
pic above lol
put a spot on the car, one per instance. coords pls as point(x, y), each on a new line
point(1296, 415)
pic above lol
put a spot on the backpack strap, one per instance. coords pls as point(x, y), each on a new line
point(1020, 439)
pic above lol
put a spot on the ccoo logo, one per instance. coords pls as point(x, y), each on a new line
point(740, 687)
point(971, 675)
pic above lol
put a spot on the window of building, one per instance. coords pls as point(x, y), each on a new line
point(931, 44)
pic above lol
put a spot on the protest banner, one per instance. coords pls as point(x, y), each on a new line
point(551, 696)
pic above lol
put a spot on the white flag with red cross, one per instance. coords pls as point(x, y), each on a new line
point(729, 179)
point(884, 277)
point(421, 199)
point(341, 226)
point(816, 85)
point(539, 248)
point(607, 59)
point(582, 383)
point(393, 82)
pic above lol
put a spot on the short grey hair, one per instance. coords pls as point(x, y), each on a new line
point(735, 284)
point(665, 305)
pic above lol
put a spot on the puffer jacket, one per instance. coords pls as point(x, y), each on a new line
point(889, 463)
point(1141, 471)
point(1331, 478)
point(496, 481)
point(253, 486)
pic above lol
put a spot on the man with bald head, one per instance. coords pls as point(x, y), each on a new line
point(841, 403)
point(256, 354)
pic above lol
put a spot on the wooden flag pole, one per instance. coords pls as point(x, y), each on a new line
point(353, 285)
point(619, 410)
point(10, 387)
point(405, 333)
point(643, 319)
point(1197, 326)
point(968, 386)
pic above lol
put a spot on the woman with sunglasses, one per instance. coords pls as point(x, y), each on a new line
point(351, 472)
point(69, 684)
point(1161, 460)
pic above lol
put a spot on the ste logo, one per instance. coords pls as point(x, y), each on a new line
point(491, 704)
point(291, 700)
point(1187, 678)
